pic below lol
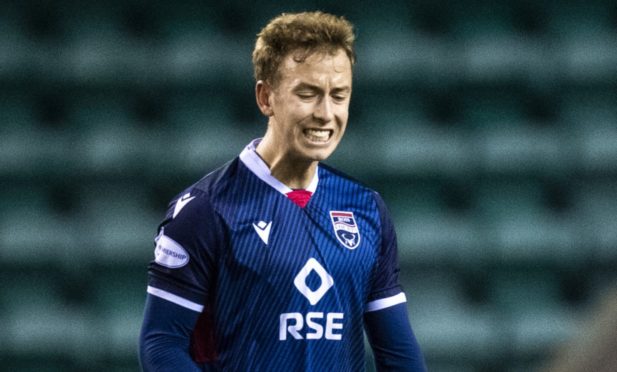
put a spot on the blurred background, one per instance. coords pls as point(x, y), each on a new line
point(490, 128)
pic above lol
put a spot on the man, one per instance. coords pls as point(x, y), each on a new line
point(276, 262)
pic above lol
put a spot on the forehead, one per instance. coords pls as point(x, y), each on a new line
point(316, 68)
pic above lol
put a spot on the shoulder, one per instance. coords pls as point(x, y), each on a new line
point(334, 178)
point(219, 179)
point(200, 197)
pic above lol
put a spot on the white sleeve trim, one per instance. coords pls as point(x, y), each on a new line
point(383, 303)
point(175, 299)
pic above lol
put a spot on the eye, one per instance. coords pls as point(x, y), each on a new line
point(339, 97)
point(305, 95)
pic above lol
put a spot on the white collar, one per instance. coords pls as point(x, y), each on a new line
point(255, 164)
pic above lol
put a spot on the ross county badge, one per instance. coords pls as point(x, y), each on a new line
point(345, 228)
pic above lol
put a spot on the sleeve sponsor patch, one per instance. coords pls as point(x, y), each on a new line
point(169, 253)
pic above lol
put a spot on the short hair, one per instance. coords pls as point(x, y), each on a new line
point(305, 32)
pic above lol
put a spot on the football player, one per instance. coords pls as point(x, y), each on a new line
point(275, 261)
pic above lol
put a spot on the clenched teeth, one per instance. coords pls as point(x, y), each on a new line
point(318, 134)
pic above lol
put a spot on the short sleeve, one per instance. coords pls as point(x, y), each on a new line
point(385, 289)
point(186, 251)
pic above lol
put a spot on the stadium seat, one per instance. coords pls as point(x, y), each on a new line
point(31, 231)
point(580, 18)
point(430, 231)
point(201, 133)
point(47, 333)
point(520, 227)
point(26, 144)
point(439, 238)
point(597, 144)
point(422, 149)
point(34, 316)
point(586, 33)
point(192, 32)
point(13, 45)
point(395, 60)
point(17, 111)
point(117, 224)
point(531, 310)
point(445, 324)
point(596, 206)
point(111, 139)
point(520, 150)
point(506, 138)
point(119, 296)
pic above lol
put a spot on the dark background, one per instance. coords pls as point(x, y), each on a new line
point(490, 128)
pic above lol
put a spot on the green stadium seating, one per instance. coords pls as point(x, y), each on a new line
point(489, 130)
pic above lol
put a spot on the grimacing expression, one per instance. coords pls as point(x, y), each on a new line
point(310, 104)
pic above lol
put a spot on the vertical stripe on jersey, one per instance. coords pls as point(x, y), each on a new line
point(255, 281)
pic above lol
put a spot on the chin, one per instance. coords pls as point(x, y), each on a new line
point(319, 155)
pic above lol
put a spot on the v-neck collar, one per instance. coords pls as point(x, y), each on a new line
point(255, 164)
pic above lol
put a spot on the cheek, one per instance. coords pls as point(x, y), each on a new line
point(288, 116)
point(298, 113)
point(343, 115)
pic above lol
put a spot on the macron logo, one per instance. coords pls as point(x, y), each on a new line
point(263, 230)
point(182, 202)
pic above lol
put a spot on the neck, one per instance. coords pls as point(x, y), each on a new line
point(294, 173)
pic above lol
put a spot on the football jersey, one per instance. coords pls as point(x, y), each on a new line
point(279, 287)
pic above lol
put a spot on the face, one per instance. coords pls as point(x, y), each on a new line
point(309, 106)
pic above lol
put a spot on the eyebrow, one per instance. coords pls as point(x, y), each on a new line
point(308, 86)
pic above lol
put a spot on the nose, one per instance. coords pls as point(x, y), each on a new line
point(323, 110)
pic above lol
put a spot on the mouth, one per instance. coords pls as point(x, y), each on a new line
point(317, 135)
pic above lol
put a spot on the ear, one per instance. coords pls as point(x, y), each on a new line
point(263, 91)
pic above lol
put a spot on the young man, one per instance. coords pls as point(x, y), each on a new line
point(276, 262)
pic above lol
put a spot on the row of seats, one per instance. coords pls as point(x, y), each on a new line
point(42, 332)
point(488, 129)
point(120, 286)
point(389, 59)
point(522, 316)
point(480, 111)
point(401, 149)
point(478, 198)
point(160, 20)
point(496, 221)
point(431, 240)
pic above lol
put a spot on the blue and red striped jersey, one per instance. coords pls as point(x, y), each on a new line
point(278, 286)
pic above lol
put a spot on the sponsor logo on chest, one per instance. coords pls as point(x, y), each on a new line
point(314, 325)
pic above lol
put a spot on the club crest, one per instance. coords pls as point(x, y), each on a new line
point(345, 229)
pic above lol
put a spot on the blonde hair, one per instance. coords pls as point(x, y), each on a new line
point(305, 33)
